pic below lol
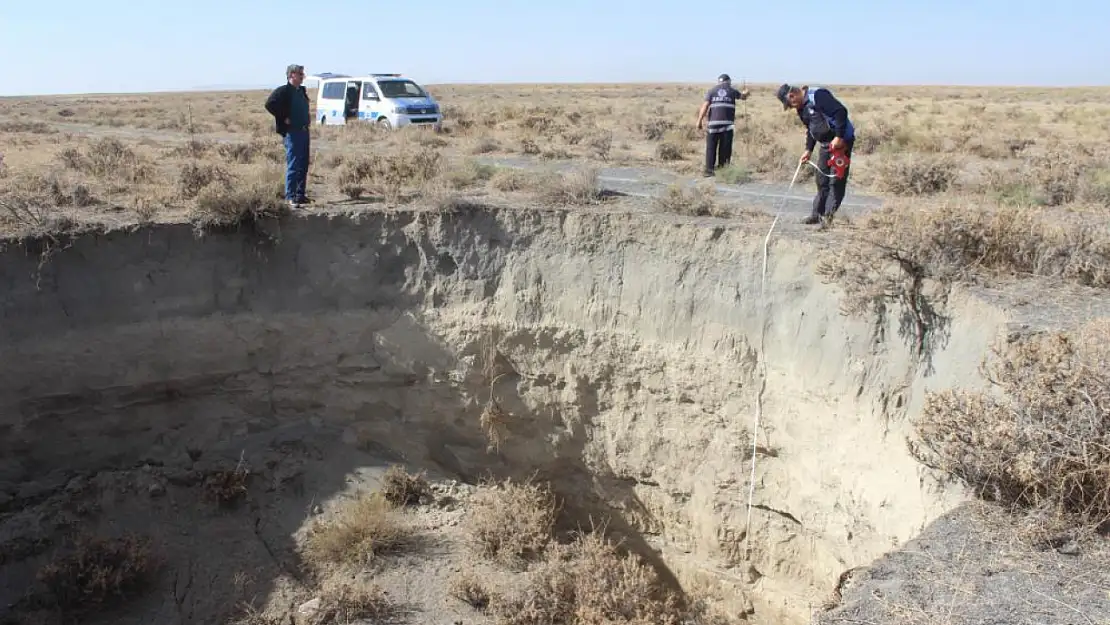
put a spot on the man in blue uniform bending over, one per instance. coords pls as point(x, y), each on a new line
point(827, 123)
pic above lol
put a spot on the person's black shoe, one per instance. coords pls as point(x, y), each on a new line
point(812, 219)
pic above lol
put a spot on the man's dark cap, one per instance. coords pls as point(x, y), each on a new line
point(723, 77)
point(781, 95)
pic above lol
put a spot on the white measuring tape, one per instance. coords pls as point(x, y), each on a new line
point(762, 358)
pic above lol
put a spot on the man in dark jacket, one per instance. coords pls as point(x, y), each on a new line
point(720, 108)
point(289, 104)
point(827, 123)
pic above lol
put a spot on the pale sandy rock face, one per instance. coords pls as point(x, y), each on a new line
point(617, 357)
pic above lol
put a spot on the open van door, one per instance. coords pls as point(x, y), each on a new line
point(350, 108)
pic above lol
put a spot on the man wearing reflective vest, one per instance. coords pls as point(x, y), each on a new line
point(720, 108)
point(827, 123)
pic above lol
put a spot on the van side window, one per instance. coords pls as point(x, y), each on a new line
point(334, 90)
point(368, 92)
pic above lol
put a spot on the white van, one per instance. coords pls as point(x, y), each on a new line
point(388, 100)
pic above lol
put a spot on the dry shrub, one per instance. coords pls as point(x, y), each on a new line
point(908, 255)
point(916, 174)
point(401, 488)
point(361, 531)
point(510, 522)
point(195, 176)
point(108, 159)
point(389, 176)
point(772, 158)
point(701, 199)
point(872, 135)
point(954, 240)
point(655, 129)
point(250, 152)
point(37, 191)
point(1095, 186)
point(600, 143)
point(529, 146)
point(193, 148)
point(38, 128)
point(239, 201)
point(98, 573)
point(668, 151)
point(227, 487)
point(469, 588)
point(469, 174)
point(343, 602)
point(1044, 444)
point(354, 175)
point(734, 174)
point(1057, 175)
point(575, 188)
point(485, 145)
point(509, 179)
point(588, 582)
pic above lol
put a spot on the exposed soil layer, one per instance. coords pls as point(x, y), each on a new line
point(615, 355)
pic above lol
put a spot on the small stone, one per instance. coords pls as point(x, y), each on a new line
point(753, 575)
point(309, 608)
point(317, 509)
point(1070, 548)
point(156, 490)
point(76, 485)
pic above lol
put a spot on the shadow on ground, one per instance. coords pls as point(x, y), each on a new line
point(215, 393)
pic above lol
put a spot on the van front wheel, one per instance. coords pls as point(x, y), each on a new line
point(384, 124)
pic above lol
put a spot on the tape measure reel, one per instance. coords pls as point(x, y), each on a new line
point(838, 163)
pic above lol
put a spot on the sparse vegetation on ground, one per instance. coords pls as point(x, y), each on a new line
point(470, 589)
point(359, 532)
point(206, 155)
point(1042, 445)
point(401, 488)
point(511, 522)
point(95, 573)
point(588, 582)
point(698, 200)
point(343, 602)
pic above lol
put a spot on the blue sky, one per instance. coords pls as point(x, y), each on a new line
point(77, 46)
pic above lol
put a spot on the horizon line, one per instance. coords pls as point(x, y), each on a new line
point(516, 83)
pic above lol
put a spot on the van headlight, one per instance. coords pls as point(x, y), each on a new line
point(400, 110)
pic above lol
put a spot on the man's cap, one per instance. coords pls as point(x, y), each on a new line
point(723, 78)
point(781, 95)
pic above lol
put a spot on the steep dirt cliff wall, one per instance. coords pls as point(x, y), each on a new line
point(614, 354)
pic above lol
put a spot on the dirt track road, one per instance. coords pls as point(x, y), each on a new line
point(793, 204)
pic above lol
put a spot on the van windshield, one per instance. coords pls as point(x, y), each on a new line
point(400, 89)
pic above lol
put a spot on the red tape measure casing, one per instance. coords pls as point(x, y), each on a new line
point(838, 163)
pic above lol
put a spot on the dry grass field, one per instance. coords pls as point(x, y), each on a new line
point(979, 181)
point(162, 156)
point(1018, 176)
point(981, 184)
